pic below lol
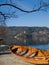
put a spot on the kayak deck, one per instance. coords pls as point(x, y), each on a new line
point(32, 55)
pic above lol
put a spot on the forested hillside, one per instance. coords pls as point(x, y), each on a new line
point(24, 35)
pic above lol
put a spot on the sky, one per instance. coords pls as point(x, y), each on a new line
point(40, 18)
point(32, 19)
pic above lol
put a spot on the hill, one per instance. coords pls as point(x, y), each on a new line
point(24, 35)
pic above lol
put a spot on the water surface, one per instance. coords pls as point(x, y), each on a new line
point(45, 47)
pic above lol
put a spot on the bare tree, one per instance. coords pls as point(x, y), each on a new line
point(42, 5)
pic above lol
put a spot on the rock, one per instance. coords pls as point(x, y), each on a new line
point(9, 59)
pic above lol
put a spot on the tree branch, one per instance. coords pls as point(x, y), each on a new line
point(34, 10)
point(3, 15)
point(41, 7)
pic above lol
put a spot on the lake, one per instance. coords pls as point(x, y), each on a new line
point(45, 47)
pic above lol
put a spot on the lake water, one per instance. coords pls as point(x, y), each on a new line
point(45, 47)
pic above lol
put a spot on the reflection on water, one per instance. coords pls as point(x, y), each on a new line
point(45, 47)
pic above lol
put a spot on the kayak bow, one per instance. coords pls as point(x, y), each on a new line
point(32, 55)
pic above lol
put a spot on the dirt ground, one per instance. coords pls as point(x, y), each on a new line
point(8, 59)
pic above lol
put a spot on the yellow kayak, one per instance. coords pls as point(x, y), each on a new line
point(32, 55)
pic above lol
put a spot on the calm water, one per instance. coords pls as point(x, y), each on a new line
point(45, 47)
